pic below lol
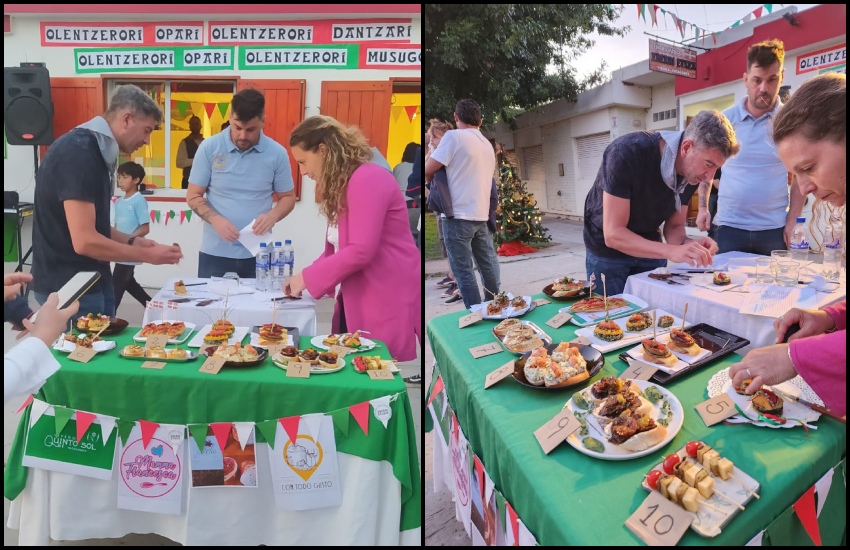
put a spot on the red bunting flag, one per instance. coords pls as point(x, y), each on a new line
point(805, 508)
point(182, 216)
point(25, 405)
point(757, 12)
point(411, 110)
point(209, 107)
point(153, 215)
point(84, 420)
point(221, 430)
point(479, 472)
point(455, 425)
point(290, 426)
point(438, 387)
point(512, 522)
point(148, 429)
point(360, 412)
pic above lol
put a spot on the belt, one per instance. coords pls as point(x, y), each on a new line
point(412, 204)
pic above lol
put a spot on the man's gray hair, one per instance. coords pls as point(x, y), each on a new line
point(711, 129)
point(136, 100)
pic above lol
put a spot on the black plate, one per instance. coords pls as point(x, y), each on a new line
point(593, 357)
point(584, 293)
point(261, 352)
point(293, 331)
point(718, 342)
point(116, 326)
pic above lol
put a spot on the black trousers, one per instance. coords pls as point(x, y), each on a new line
point(123, 280)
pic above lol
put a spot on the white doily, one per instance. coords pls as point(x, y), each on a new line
point(721, 383)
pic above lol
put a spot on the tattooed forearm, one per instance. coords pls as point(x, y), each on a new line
point(704, 189)
point(202, 208)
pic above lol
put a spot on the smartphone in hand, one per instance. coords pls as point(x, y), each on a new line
point(74, 289)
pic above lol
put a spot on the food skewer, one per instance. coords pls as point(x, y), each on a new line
point(654, 325)
point(685, 314)
point(698, 450)
point(605, 296)
point(694, 476)
point(671, 488)
point(101, 330)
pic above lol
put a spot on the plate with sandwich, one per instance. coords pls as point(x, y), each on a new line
point(350, 340)
point(272, 334)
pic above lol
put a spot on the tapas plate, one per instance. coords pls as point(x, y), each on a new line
point(190, 356)
point(507, 312)
point(314, 369)
point(672, 413)
point(538, 333)
point(238, 335)
point(262, 354)
point(586, 288)
point(586, 319)
point(365, 344)
point(629, 337)
point(116, 326)
point(592, 357)
point(179, 339)
point(292, 336)
point(67, 347)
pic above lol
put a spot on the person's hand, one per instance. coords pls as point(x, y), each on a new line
point(224, 228)
point(812, 322)
point(295, 285)
point(144, 243)
point(708, 243)
point(766, 366)
point(692, 253)
point(51, 321)
point(12, 284)
point(264, 223)
point(703, 220)
point(159, 254)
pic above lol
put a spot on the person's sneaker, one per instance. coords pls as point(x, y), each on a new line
point(449, 291)
point(415, 379)
point(445, 283)
point(456, 297)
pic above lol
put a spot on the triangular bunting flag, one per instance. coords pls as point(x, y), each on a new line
point(157, 216)
point(805, 508)
point(198, 432)
point(396, 112)
point(172, 214)
point(311, 424)
point(268, 428)
point(748, 18)
point(290, 426)
point(189, 215)
point(124, 429)
point(643, 12)
point(455, 425)
point(512, 527)
point(479, 473)
point(340, 420)
point(769, 8)
point(166, 218)
point(175, 434)
point(381, 409)
point(653, 15)
point(360, 412)
point(822, 487)
point(525, 536)
point(148, 429)
point(243, 432)
point(181, 108)
point(500, 507)
point(173, 104)
point(757, 12)
point(153, 215)
point(410, 110)
point(222, 108)
point(24, 405)
point(757, 540)
point(220, 430)
point(209, 107)
point(84, 420)
point(640, 9)
point(437, 388)
point(62, 417)
point(735, 24)
point(182, 216)
point(38, 409)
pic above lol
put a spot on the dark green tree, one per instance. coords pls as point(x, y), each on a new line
point(503, 55)
point(518, 215)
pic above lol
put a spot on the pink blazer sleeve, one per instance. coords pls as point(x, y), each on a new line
point(838, 312)
point(821, 360)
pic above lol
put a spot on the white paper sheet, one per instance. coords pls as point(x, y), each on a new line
point(772, 302)
point(251, 241)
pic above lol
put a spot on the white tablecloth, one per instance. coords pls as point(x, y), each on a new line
point(721, 309)
point(50, 506)
point(244, 310)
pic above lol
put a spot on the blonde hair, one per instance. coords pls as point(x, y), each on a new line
point(437, 125)
point(347, 149)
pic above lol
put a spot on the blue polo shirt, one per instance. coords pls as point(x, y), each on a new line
point(239, 185)
point(753, 193)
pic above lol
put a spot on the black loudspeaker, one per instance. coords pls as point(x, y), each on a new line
point(27, 106)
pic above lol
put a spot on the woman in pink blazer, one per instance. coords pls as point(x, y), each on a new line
point(369, 251)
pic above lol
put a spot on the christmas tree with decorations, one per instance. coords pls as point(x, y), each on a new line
point(518, 215)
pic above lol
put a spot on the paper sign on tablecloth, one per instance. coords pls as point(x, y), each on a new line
point(484, 350)
point(82, 354)
point(341, 351)
point(212, 365)
point(659, 522)
point(499, 374)
point(156, 341)
point(151, 479)
point(296, 369)
point(469, 319)
point(559, 320)
point(153, 365)
point(716, 409)
point(638, 370)
point(379, 374)
point(580, 340)
point(305, 474)
point(554, 432)
point(61, 453)
point(234, 466)
point(541, 302)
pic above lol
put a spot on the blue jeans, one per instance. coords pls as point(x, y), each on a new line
point(94, 301)
point(754, 242)
point(217, 266)
point(617, 270)
point(466, 240)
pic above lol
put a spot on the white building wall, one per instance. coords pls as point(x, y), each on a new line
point(559, 193)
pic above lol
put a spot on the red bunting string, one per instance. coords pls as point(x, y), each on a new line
point(805, 508)
point(360, 412)
point(438, 387)
point(148, 429)
point(290, 426)
point(220, 430)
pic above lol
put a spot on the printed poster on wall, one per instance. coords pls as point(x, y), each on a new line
point(228, 466)
point(91, 457)
point(305, 473)
point(151, 478)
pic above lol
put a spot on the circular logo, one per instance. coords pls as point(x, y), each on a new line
point(151, 472)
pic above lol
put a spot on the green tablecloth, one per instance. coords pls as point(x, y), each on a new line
point(180, 394)
point(568, 498)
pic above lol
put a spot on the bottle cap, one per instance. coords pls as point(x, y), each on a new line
point(262, 245)
point(288, 241)
point(277, 243)
point(801, 220)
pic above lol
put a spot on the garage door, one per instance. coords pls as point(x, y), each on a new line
point(532, 164)
point(590, 149)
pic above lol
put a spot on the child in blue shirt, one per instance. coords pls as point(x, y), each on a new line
point(131, 218)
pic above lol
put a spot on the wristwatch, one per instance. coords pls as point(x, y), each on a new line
point(130, 240)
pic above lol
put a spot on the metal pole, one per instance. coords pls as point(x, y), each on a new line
point(678, 43)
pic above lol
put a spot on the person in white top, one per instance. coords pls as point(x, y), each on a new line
point(27, 365)
point(470, 162)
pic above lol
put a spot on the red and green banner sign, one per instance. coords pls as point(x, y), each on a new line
point(201, 58)
point(122, 34)
point(299, 57)
point(392, 56)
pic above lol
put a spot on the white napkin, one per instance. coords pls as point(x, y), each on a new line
point(822, 285)
point(228, 287)
point(251, 241)
point(689, 359)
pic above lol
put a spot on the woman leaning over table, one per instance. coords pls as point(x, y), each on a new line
point(368, 249)
point(811, 135)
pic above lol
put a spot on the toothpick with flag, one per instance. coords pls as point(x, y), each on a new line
point(605, 296)
point(592, 278)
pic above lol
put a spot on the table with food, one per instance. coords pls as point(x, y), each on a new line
point(738, 479)
point(346, 383)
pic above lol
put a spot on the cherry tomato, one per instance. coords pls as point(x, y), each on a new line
point(652, 479)
point(670, 463)
point(692, 448)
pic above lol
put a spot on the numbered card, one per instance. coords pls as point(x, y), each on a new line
point(467, 320)
point(659, 522)
point(341, 351)
point(156, 341)
point(541, 302)
point(379, 374)
point(81, 354)
point(275, 349)
point(298, 370)
point(153, 365)
point(559, 320)
point(716, 409)
point(485, 350)
point(499, 374)
point(638, 370)
point(212, 365)
point(580, 340)
point(556, 431)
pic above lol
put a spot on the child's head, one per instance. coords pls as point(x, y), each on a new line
point(130, 176)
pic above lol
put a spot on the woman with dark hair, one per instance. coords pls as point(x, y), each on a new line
point(402, 172)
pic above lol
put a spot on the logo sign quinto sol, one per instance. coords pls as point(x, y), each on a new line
point(150, 472)
point(61, 453)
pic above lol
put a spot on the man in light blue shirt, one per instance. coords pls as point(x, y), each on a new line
point(754, 212)
point(238, 170)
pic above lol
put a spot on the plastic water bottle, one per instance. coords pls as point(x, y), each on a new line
point(276, 281)
point(288, 257)
point(262, 268)
point(834, 235)
point(799, 244)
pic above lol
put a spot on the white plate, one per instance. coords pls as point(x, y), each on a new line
point(255, 340)
point(717, 265)
point(637, 354)
point(67, 347)
point(315, 369)
point(615, 452)
point(507, 312)
point(237, 336)
point(179, 340)
point(721, 383)
point(585, 319)
point(706, 280)
point(365, 343)
point(628, 337)
point(710, 521)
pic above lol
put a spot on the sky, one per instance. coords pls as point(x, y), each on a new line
point(621, 52)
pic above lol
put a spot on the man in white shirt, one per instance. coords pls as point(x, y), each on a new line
point(470, 162)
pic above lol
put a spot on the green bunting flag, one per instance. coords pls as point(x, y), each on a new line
point(62, 417)
point(268, 428)
point(340, 419)
point(157, 216)
point(124, 429)
point(189, 215)
point(199, 434)
point(222, 108)
point(181, 108)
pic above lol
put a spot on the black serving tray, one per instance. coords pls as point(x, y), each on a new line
point(720, 343)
